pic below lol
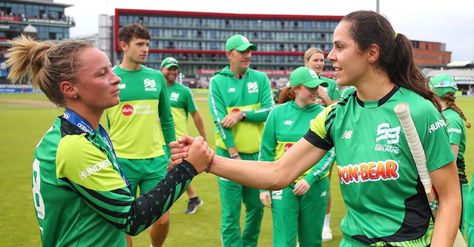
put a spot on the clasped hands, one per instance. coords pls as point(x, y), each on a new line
point(194, 150)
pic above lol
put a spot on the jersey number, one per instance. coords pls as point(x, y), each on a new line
point(37, 198)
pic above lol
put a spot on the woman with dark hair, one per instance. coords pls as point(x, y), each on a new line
point(385, 200)
point(444, 86)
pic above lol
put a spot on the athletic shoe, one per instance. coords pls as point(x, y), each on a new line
point(327, 234)
point(193, 205)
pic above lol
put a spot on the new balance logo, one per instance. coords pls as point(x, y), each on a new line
point(347, 134)
point(288, 122)
point(231, 90)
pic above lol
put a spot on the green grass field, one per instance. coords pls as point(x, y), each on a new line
point(25, 118)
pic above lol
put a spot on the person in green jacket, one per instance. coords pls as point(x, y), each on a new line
point(298, 210)
point(138, 124)
point(444, 86)
point(81, 196)
point(240, 100)
point(182, 103)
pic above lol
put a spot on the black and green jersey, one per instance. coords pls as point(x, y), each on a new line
point(80, 197)
point(182, 102)
point(332, 89)
point(250, 93)
point(457, 136)
point(133, 124)
point(385, 200)
point(286, 124)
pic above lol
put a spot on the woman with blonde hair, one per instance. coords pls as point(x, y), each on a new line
point(80, 194)
point(314, 59)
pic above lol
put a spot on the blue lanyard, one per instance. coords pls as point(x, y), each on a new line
point(85, 126)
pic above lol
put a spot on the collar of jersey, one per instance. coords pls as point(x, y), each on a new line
point(375, 104)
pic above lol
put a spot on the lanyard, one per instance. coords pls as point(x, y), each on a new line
point(85, 126)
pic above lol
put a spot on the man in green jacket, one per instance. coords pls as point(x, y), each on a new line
point(240, 100)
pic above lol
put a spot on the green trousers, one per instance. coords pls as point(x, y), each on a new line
point(464, 194)
point(299, 218)
point(232, 195)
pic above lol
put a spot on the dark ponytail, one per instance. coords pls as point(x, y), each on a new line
point(396, 51)
point(449, 98)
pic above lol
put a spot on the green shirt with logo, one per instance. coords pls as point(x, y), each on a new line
point(286, 124)
point(385, 200)
point(142, 123)
point(251, 93)
point(81, 199)
point(457, 136)
point(182, 102)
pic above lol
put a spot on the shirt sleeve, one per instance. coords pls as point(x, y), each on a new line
point(319, 131)
point(266, 100)
point(164, 111)
point(321, 169)
point(455, 130)
point(218, 111)
point(104, 191)
point(432, 130)
point(190, 104)
point(269, 141)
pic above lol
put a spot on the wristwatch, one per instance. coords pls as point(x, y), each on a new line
point(234, 156)
point(244, 115)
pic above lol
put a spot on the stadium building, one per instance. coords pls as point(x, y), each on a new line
point(41, 19)
point(197, 39)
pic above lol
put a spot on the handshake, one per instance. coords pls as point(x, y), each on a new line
point(193, 150)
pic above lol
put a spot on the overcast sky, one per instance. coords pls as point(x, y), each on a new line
point(450, 22)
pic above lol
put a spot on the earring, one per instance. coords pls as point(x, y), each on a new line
point(75, 96)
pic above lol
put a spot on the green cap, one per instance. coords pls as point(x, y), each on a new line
point(306, 77)
point(443, 84)
point(169, 62)
point(240, 43)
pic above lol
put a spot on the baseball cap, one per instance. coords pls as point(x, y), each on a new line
point(443, 84)
point(169, 62)
point(306, 77)
point(239, 42)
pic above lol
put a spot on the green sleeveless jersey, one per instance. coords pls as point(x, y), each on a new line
point(143, 116)
point(81, 199)
point(250, 93)
point(385, 200)
point(286, 124)
point(457, 136)
point(182, 102)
